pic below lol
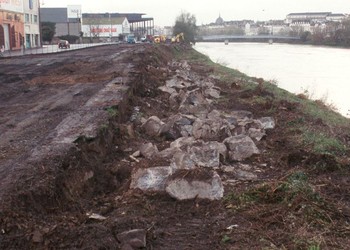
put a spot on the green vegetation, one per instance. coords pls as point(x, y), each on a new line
point(186, 23)
point(112, 111)
point(48, 30)
point(322, 143)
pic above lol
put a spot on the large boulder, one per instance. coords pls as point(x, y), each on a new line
point(207, 154)
point(152, 126)
point(182, 160)
point(151, 179)
point(240, 147)
point(211, 129)
point(194, 184)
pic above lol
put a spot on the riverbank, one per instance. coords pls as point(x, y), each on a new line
point(259, 167)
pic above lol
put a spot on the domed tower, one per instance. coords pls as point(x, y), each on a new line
point(219, 20)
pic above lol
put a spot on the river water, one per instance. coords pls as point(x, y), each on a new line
point(321, 71)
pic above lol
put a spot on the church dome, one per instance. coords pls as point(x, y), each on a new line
point(219, 21)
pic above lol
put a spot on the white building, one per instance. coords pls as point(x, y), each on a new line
point(31, 23)
point(307, 17)
point(104, 26)
point(335, 17)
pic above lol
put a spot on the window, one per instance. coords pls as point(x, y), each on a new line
point(35, 18)
point(27, 18)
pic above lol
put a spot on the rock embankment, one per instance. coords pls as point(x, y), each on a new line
point(205, 141)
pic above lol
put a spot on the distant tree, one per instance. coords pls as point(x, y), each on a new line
point(186, 23)
point(306, 36)
point(48, 31)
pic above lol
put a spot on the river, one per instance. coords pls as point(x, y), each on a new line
point(321, 71)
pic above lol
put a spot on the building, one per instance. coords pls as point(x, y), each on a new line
point(335, 17)
point(31, 23)
point(67, 20)
point(11, 24)
point(313, 18)
point(111, 25)
point(140, 26)
point(105, 26)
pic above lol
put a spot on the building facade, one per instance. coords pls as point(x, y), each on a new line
point(31, 23)
point(105, 27)
point(67, 20)
point(11, 24)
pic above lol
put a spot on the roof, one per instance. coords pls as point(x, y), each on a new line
point(310, 14)
point(132, 17)
point(103, 20)
point(54, 15)
point(336, 15)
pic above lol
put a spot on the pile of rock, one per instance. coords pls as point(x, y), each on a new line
point(204, 140)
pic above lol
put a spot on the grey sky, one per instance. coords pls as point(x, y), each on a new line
point(206, 11)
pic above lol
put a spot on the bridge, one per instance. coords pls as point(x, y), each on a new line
point(244, 38)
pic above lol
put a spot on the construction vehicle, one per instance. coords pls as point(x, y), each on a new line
point(178, 38)
point(159, 39)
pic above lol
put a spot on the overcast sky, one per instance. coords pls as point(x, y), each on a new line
point(165, 12)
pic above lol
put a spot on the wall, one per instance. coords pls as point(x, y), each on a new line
point(11, 30)
point(31, 23)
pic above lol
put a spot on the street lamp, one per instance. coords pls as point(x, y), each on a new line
point(110, 28)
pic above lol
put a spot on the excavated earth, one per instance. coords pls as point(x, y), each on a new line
point(130, 147)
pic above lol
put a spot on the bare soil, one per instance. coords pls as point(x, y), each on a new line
point(65, 143)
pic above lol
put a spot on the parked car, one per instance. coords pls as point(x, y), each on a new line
point(63, 44)
point(131, 39)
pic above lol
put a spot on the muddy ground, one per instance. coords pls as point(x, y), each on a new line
point(66, 140)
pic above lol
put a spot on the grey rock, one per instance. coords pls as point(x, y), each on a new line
point(245, 175)
point(167, 89)
point(148, 150)
point(213, 93)
point(256, 134)
point(241, 114)
point(185, 189)
point(150, 179)
point(240, 147)
point(214, 114)
point(182, 142)
point(207, 154)
point(152, 126)
point(182, 160)
point(267, 122)
point(169, 152)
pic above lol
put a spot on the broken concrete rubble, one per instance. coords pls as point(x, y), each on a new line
point(151, 179)
point(148, 150)
point(267, 122)
point(152, 126)
point(202, 138)
point(240, 147)
point(185, 189)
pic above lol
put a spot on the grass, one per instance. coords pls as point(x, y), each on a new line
point(112, 111)
point(322, 143)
